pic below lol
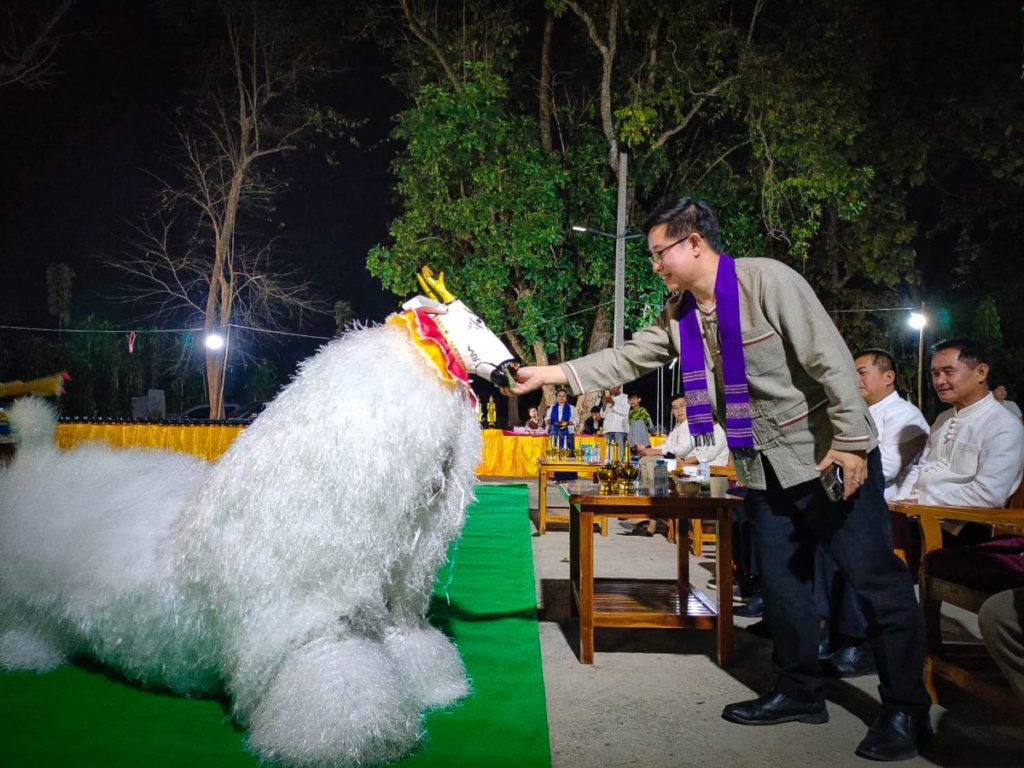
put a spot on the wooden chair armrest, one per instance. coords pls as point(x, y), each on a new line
point(728, 471)
point(930, 516)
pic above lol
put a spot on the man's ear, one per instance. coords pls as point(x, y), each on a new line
point(890, 377)
point(982, 371)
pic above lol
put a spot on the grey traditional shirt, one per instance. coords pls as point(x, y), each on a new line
point(803, 387)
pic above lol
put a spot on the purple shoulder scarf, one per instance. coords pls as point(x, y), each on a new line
point(692, 374)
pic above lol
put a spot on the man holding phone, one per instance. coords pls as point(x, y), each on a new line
point(755, 343)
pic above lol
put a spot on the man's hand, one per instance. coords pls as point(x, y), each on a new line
point(855, 469)
point(531, 377)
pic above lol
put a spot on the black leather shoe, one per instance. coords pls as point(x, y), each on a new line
point(752, 610)
point(759, 629)
point(852, 661)
point(895, 736)
point(773, 708)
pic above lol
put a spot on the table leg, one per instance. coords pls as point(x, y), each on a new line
point(574, 559)
point(586, 557)
point(682, 562)
point(542, 501)
point(723, 573)
point(602, 522)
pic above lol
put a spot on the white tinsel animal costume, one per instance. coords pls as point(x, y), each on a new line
point(293, 574)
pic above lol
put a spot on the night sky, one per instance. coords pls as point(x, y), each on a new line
point(75, 157)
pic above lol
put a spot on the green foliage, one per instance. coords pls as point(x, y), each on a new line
point(818, 129)
point(486, 205)
point(342, 314)
point(263, 380)
point(985, 326)
point(58, 284)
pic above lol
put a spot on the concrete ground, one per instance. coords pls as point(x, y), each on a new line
point(654, 697)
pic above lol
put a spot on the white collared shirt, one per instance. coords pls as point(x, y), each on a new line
point(616, 415)
point(902, 430)
point(680, 443)
point(973, 458)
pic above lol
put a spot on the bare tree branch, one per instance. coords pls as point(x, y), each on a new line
point(30, 61)
point(694, 110)
point(194, 255)
point(607, 49)
point(420, 33)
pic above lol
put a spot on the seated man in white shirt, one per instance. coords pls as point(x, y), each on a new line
point(902, 428)
point(975, 452)
point(679, 444)
point(902, 432)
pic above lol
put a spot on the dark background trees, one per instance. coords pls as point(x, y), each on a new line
point(873, 146)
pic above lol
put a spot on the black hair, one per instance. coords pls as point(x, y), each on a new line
point(595, 409)
point(882, 359)
point(677, 396)
point(684, 216)
point(972, 353)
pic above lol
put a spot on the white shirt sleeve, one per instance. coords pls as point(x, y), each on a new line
point(999, 471)
point(901, 437)
point(906, 489)
point(976, 464)
point(678, 442)
point(716, 455)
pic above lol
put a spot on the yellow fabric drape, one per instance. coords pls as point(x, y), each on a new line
point(208, 441)
point(516, 456)
point(503, 455)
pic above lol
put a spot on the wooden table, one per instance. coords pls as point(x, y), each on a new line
point(657, 604)
point(547, 468)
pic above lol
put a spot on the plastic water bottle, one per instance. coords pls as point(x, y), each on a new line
point(660, 477)
point(704, 475)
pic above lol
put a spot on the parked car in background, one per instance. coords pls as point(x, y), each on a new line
point(202, 413)
point(249, 411)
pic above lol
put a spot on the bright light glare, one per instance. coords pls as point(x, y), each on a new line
point(214, 341)
point(917, 321)
point(578, 228)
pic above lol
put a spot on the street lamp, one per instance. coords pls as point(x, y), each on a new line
point(214, 342)
point(618, 332)
point(917, 321)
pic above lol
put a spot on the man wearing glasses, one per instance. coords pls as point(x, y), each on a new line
point(755, 344)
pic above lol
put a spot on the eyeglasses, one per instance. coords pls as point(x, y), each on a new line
point(658, 255)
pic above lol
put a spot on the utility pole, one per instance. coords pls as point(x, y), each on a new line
point(920, 358)
point(619, 323)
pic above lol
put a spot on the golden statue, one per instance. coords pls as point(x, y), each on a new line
point(492, 412)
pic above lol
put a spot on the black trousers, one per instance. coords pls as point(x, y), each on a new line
point(789, 525)
point(836, 601)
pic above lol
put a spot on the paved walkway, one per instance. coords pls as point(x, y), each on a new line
point(654, 697)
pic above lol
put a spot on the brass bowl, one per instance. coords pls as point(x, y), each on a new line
point(629, 472)
point(605, 476)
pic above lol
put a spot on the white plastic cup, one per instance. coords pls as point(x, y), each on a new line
point(719, 487)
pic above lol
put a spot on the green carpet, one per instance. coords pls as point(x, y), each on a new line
point(484, 600)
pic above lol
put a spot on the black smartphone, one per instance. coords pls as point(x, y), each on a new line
point(832, 482)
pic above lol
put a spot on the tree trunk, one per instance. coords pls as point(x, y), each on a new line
point(513, 411)
point(544, 88)
point(547, 391)
point(215, 383)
